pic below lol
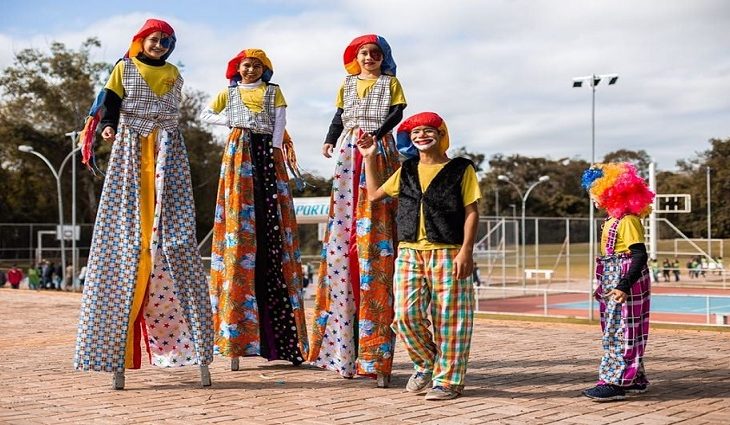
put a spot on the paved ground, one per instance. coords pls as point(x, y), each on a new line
point(520, 372)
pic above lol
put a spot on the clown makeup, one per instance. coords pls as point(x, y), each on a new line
point(251, 70)
point(424, 137)
point(370, 58)
point(155, 45)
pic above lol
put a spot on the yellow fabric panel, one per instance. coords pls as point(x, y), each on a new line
point(161, 79)
point(629, 231)
point(426, 172)
point(252, 98)
point(146, 218)
point(363, 88)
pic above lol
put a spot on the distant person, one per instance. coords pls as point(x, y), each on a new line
point(476, 276)
point(624, 287)
point(690, 269)
point(675, 269)
point(704, 265)
point(15, 275)
point(720, 268)
point(666, 266)
point(654, 266)
point(46, 274)
point(34, 278)
point(695, 267)
point(69, 279)
point(82, 277)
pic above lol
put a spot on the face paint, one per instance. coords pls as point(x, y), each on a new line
point(425, 146)
point(166, 42)
point(424, 138)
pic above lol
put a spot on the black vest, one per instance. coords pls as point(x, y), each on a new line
point(443, 205)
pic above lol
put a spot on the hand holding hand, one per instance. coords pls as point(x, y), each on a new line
point(366, 145)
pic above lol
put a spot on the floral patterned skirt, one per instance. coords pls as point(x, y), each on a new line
point(256, 280)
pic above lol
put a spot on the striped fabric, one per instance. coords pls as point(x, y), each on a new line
point(142, 110)
point(625, 325)
point(423, 278)
point(369, 112)
point(258, 122)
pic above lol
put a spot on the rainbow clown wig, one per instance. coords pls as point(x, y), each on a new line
point(88, 134)
point(232, 71)
point(618, 189)
point(429, 119)
point(350, 57)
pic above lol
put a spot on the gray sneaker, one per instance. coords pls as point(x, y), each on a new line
point(441, 393)
point(418, 381)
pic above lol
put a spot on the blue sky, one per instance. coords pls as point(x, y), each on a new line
point(498, 71)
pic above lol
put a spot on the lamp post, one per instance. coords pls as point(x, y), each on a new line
point(709, 215)
point(506, 179)
point(593, 80)
point(57, 176)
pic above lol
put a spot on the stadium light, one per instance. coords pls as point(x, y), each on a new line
point(593, 80)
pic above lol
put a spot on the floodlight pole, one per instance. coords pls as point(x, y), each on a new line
point(577, 82)
point(709, 216)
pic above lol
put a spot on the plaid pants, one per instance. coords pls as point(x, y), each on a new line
point(423, 278)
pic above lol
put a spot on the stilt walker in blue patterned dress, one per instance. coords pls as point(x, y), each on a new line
point(145, 280)
point(624, 286)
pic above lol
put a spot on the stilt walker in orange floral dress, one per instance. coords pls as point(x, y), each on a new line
point(256, 271)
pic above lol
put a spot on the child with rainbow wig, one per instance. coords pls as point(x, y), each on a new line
point(624, 285)
point(354, 303)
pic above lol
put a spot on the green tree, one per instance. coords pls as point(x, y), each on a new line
point(639, 158)
point(691, 178)
point(44, 96)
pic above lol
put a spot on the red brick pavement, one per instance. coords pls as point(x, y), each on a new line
point(519, 373)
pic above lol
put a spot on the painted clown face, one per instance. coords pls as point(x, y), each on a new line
point(424, 137)
point(155, 45)
point(251, 70)
point(370, 58)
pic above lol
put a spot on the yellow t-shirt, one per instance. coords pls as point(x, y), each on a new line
point(253, 98)
point(426, 172)
point(161, 79)
point(364, 86)
point(629, 231)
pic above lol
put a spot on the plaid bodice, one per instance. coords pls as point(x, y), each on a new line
point(369, 112)
point(142, 109)
point(240, 116)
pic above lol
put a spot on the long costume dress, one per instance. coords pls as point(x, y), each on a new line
point(354, 302)
point(625, 325)
point(145, 280)
point(256, 272)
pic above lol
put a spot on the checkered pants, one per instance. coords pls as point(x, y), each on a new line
point(423, 278)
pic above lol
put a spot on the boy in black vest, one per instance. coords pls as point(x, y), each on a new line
point(437, 220)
